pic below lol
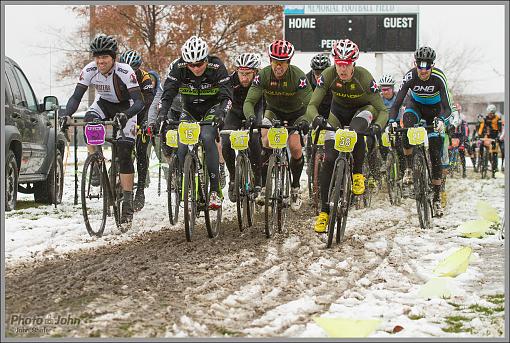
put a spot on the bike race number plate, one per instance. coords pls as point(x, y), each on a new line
point(95, 134)
point(239, 140)
point(416, 135)
point(320, 140)
point(189, 133)
point(345, 140)
point(278, 137)
point(385, 139)
point(171, 138)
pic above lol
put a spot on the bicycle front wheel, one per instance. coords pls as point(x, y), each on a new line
point(212, 217)
point(243, 185)
point(94, 194)
point(271, 196)
point(284, 196)
point(189, 197)
point(393, 178)
point(173, 186)
point(335, 192)
point(421, 190)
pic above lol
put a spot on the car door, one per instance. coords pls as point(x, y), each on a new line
point(19, 116)
point(39, 124)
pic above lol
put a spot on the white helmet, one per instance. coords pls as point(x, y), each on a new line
point(194, 50)
point(247, 60)
point(386, 80)
point(491, 108)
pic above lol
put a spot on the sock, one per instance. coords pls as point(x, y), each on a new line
point(296, 168)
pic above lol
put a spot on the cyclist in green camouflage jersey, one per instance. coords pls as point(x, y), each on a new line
point(356, 103)
point(287, 93)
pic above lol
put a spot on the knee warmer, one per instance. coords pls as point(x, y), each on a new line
point(124, 153)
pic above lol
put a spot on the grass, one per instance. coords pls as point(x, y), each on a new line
point(455, 324)
point(227, 332)
point(481, 309)
point(496, 299)
point(416, 316)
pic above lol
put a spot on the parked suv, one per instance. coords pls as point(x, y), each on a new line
point(29, 138)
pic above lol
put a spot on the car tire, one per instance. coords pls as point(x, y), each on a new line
point(11, 181)
point(44, 192)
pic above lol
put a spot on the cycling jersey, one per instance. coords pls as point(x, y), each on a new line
point(360, 91)
point(433, 91)
point(389, 102)
point(492, 126)
point(199, 93)
point(286, 97)
point(239, 97)
point(145, 82)
point(325, 105)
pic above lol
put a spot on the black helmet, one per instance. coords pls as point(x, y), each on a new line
point(426, 54)
point(103, 44)
point(320, 61)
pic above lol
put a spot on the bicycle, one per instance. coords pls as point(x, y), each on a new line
point(372, 174)
point(455, 163)
point(278, 180)
point(422, 176)
point(340, 193)
point(244, 181)
point(108, 191)
point(489, 149)
point(393, 172)
point(317, 156)
point(195, 182)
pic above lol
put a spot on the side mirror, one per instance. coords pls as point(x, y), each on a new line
point(50, 103)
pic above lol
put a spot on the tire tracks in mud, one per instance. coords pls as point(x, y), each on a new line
point(240, 283)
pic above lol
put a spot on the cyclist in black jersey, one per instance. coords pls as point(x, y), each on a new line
point(116, 84)
point(247, 66)
point(134, 59)
point(429, 99)
point(205, 86)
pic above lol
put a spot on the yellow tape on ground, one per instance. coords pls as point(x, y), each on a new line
point(341, 327)
point(454, 264)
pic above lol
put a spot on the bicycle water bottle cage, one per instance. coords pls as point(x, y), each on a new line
point(95, 134)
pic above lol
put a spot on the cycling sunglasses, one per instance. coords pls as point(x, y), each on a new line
point(197, 64)
point(424, 65)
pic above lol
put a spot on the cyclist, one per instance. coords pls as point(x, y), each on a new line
point(475, 143)
point(247, 66)
point(429, 99)
point(355, 103)
point(318, 63)
point(461, 133)
point(206, 90)
point(287, 93)
point(134, 59)
point(491, 127)
point(116, 84)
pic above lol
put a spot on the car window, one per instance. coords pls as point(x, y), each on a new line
point(19, 99)
point(31, 103)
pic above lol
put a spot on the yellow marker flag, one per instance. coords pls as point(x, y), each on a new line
point(341, 327)
point(454, 264)
point(436, 288)
point(475, 228)
point(487, 211)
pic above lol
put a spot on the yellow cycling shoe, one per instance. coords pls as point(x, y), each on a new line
point(358, 184)
point(443, 199)
point(321, 223)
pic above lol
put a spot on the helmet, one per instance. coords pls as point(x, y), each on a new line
point(131, 57)
point(491, 108)
point(195, 49)
point(103, 44)
point(247, 60)
point(479, 117)
point(320, 62)
point(425, 53)
point(345, 50)
point(386, 80)
point(281, 50)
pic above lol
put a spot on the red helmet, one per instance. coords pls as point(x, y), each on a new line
point(281, 50)
point(345, 51)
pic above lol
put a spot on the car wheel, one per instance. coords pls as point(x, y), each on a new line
point(44, 192)
point(11, 181)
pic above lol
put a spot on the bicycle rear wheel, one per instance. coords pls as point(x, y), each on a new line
point(421, 189)
point(212, 217)
point(367, 196)
point(94, 196)
point(271, 196)
point(189, 197)
point(173, 187)
point(393, 178)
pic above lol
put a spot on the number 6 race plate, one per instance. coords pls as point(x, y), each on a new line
point(239, 140)
point(277, 137)
point(189, 133)
point(416, 135)
point(171, 138)
point(345, 140)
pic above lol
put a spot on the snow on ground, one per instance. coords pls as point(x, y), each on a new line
point(382, 282)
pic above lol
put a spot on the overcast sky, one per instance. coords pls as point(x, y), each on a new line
point(451, 26)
